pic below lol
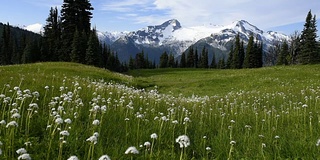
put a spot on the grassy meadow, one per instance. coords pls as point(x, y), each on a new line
point(71, 111)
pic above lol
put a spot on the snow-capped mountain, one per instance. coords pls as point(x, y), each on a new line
point(173, 38)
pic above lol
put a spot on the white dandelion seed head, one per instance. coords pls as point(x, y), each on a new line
point(68, 121)
point(131, 150)
point(73, 158)
point(186, 119)
point(96, 134)
point(24, 156)
point(12, 124)
point(183, 141)
point(164, 118)
point(232, 142)
point(154, 136)
point(46, 87)
point(147, 144)
point(104, 157)
point(175, 122)
point(92, 139)
point(21, 151)
point(96, 122)
point(64, 133)
point(318, 142)
point(3, 122)
point(59, 120)
point(16, 115)
point(36, 94)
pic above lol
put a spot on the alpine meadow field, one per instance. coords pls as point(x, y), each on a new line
point(73, 111)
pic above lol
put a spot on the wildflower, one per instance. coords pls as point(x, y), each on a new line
point(131, 150)
point(232, 142)
point(73, 158)
point(46, 87)
point(232, 121)
point(186, 119)
point(24, 156)
point(59, 120)
point(36, 94)
point(277, 137)
point(12, 123)
point(183, 140)
point(96, 122)
point(263, 145)
point(147, 144)
point(68, 121)
point(64, 133)
point(28, 143)
point(0, 152)
point(3, 122)
point(154, 136)
point(175, 122)
point(208, 148)
point(104, 157)
point(21, 151)
point(16, 115)
point(92, 139)
point(318, 142)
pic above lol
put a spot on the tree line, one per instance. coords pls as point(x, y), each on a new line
point(67, 37)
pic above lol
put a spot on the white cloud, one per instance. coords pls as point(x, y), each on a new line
point(264, 14)
point(36, 28)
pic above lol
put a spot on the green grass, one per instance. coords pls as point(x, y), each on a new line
point(267, 113)
point(220, 82)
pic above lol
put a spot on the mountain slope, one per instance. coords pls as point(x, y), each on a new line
point(173, 38)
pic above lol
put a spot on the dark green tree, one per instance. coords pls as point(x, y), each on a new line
point(204, 58)
point(6, 50)
point(249, 56)
point(308, 45)
point(190, 58)
point(92, 52)
point(284, 54)
point(164, 60)
point(236, 62)
point(230, 58)
point(213, 62)
point(196, 59)
point(171, 62)
point(183, 61)
point(52, 34)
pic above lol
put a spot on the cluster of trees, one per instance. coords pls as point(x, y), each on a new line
point(19, 46)
point(67, 37)
point(141, 61)
point(301, 49)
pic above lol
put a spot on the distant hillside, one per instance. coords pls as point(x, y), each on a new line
point(18, 32)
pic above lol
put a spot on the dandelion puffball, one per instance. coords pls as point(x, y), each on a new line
point(73, 158)
point(154, 136)
point(104, 157)
point(24, 156)
point(21, 151)
point(183, 141)
point(132, 150)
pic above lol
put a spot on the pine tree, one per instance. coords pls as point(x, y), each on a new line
point(230, 58)
point(52, 34)
point(213, 62)
point(190, 58)
point(183, 60)
point(308, 45)
point(92, 52)
point(249, 56)
point(196, 59)
point(75, 14)
point(6, 50)
point(236, 62)
point(171, 62)
point(284, 53)
point(164, 60)
point(76, 48)
point(204, 58)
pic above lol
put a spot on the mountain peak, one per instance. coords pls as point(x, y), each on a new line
point(243, 25)
point(172, 22)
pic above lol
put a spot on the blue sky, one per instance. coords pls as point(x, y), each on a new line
point(127, 15)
